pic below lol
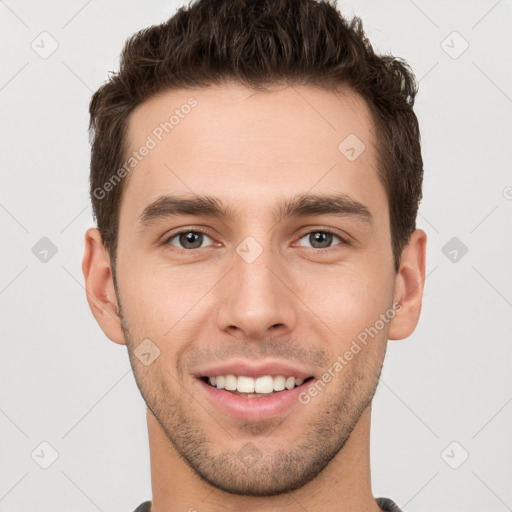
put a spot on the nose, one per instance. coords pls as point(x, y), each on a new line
point(257, 299)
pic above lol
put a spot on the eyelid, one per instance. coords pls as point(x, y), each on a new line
point(345, 237)
point(168, 237)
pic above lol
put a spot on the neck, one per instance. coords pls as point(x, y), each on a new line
point(343, 486)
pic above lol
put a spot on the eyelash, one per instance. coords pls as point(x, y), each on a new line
point(343, 241)
point(178, 233)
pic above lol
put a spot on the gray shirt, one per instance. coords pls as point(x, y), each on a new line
point(385, 504)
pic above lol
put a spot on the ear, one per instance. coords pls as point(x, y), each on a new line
point(409, 286)
point(99, 286)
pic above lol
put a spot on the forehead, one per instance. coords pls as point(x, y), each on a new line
point(246, 146)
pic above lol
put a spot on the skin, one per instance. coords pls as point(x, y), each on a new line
point(295, 302)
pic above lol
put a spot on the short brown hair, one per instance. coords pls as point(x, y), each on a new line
point(259, 43)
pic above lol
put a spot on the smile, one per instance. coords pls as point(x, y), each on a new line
point(253, 398)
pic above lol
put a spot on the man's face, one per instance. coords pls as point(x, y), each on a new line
point(290, 291)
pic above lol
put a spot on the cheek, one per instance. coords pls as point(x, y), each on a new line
point(159, 299)
point(145, 297)
point(348, 300)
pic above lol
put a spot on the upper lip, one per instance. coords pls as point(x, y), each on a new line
point(252, 369)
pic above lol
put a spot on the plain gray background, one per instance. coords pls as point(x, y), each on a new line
point(446, 391)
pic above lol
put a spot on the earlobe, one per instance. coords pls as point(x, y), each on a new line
point(409, 286)
point(99, 286)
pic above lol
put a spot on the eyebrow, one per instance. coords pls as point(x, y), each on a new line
point(210, 206)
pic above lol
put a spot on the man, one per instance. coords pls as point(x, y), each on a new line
point(255, 175)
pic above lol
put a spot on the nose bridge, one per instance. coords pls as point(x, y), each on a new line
point(255, 299)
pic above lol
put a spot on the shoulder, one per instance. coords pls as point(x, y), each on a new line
point(144, 507)
point(388, 505)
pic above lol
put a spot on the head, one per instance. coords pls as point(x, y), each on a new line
point(255, 176)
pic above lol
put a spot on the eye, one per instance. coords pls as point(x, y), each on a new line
point(319, 239)
point(188, 239)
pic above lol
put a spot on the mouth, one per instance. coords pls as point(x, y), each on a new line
point(251, 387)
point(253, 398)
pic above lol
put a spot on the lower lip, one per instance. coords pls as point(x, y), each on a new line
point(253, 409)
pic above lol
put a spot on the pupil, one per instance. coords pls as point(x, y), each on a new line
point(191, 240)
point(320, 239)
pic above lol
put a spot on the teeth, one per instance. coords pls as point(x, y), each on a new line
point(230, 383)
point(245, 385)
point(265, 384)
point(279, 383)
point(290, 383)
